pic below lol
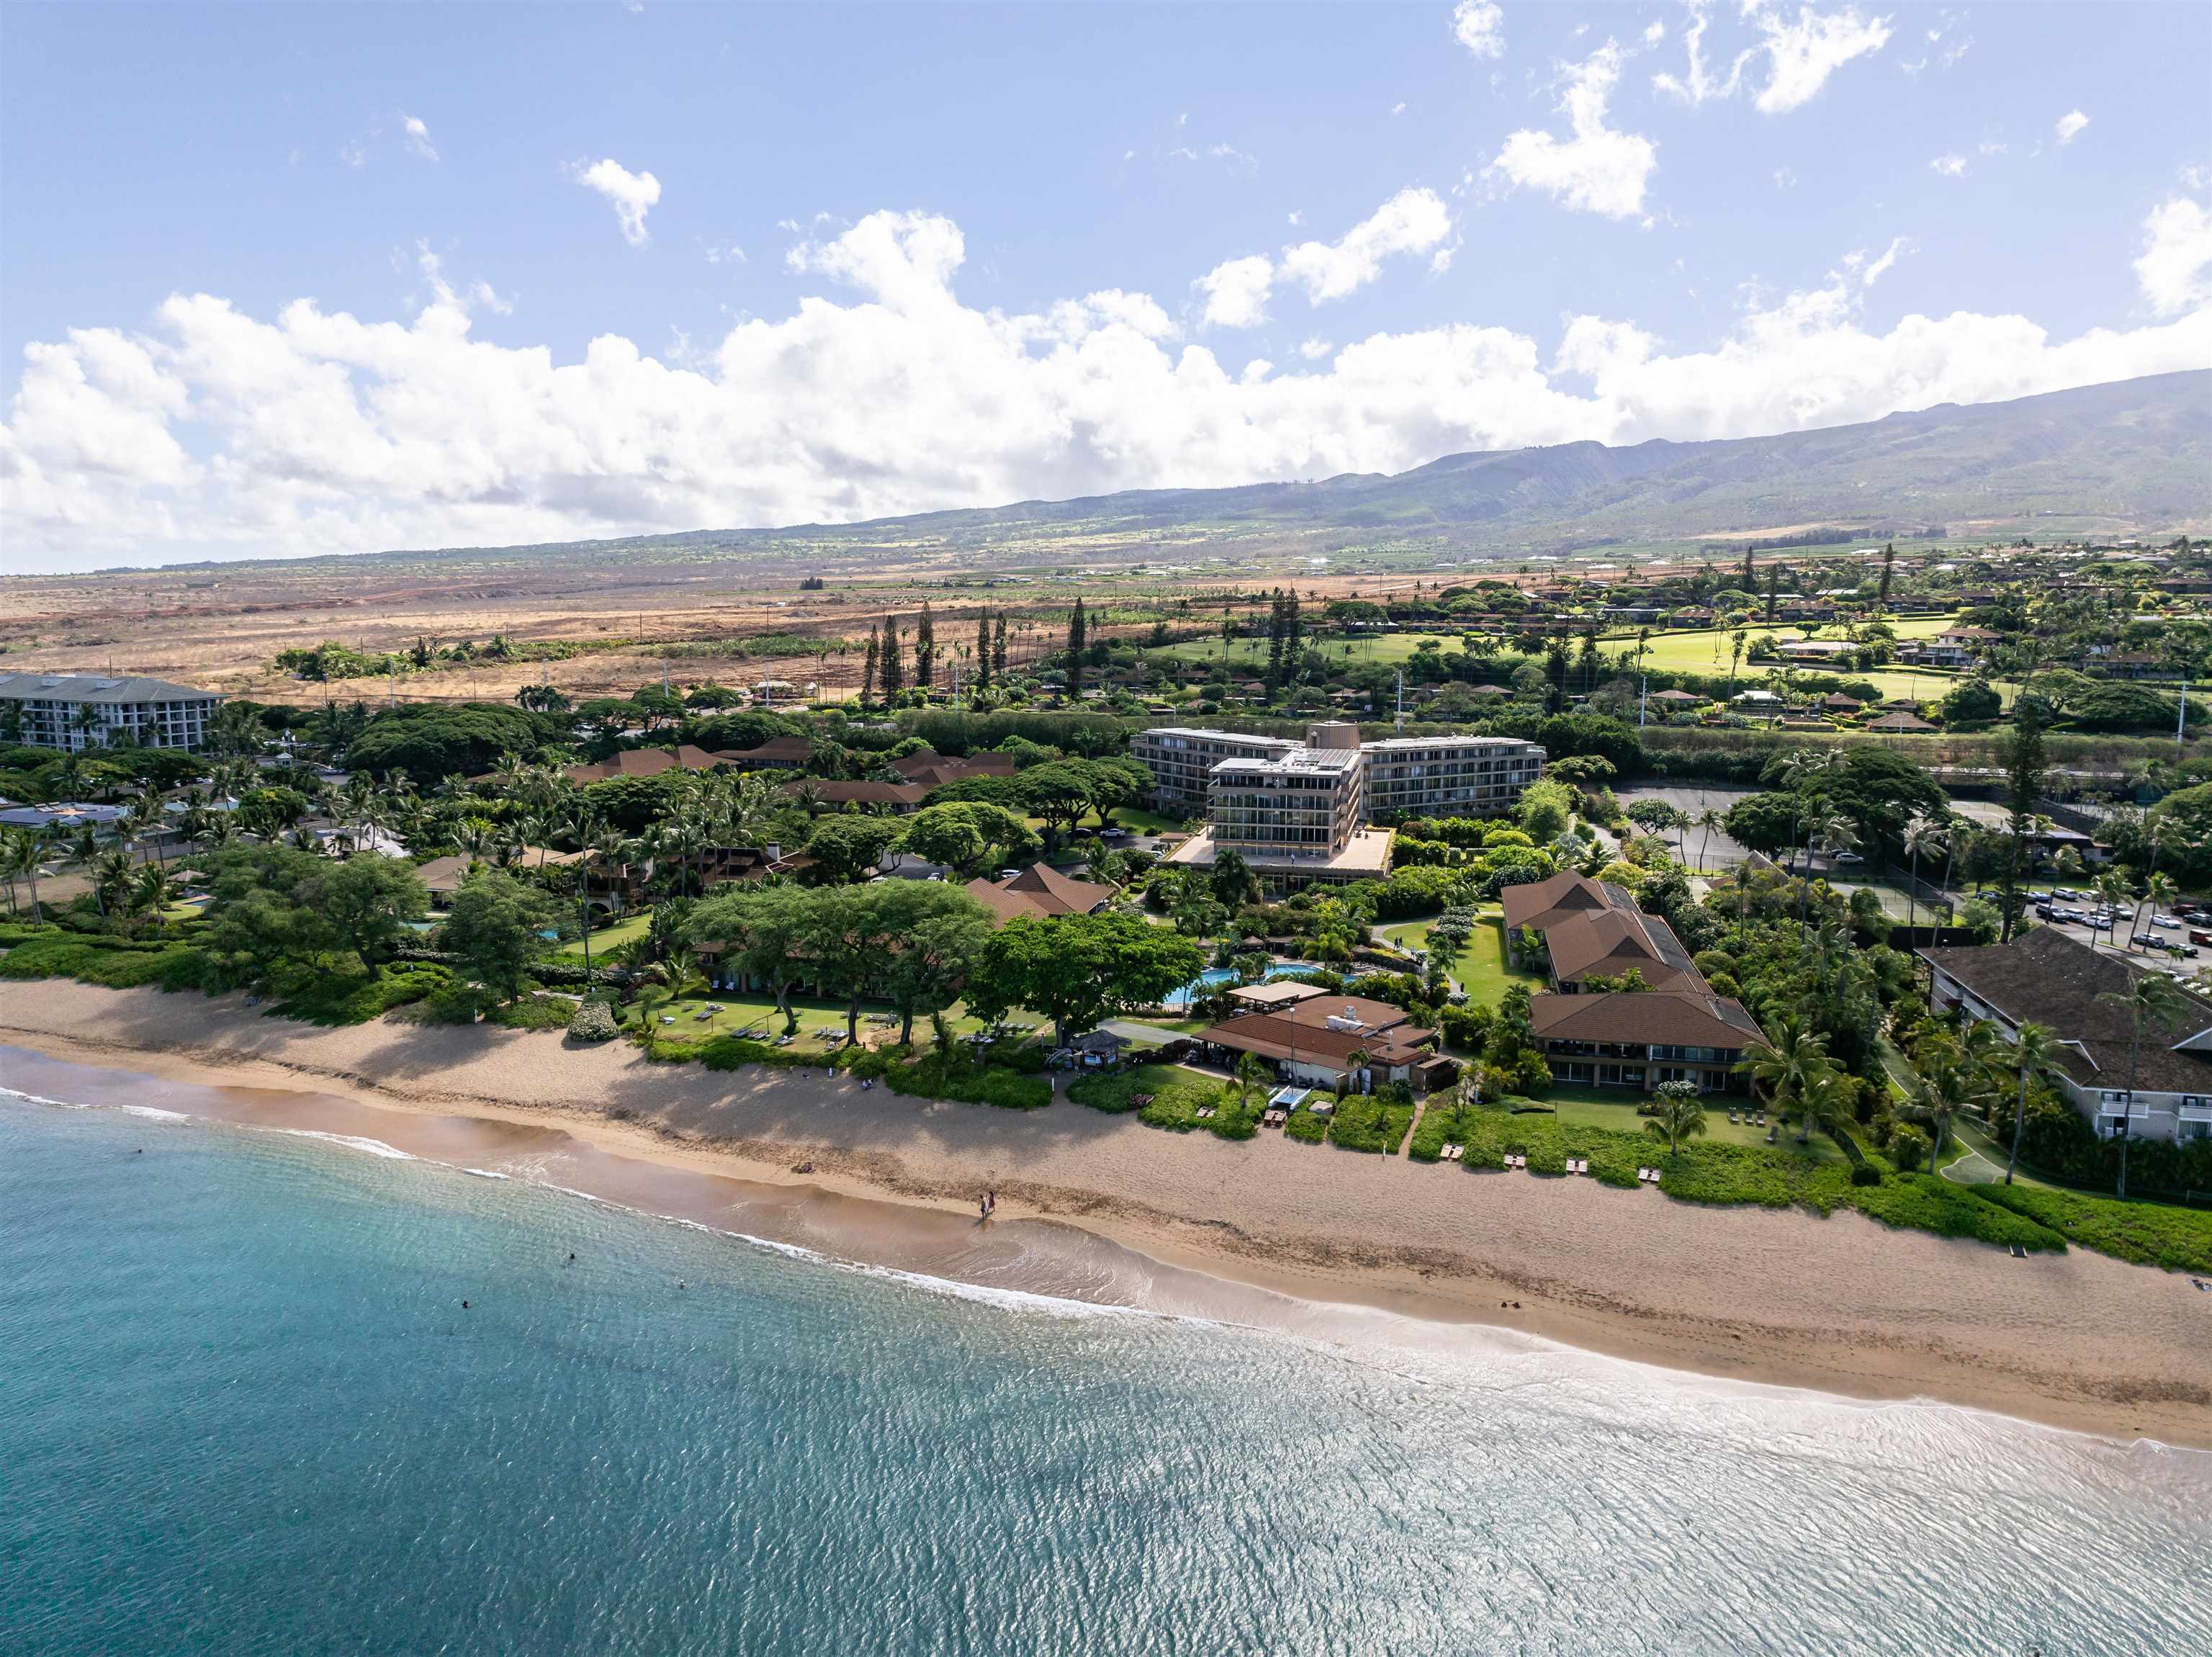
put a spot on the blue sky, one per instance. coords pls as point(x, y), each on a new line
point(278, 279)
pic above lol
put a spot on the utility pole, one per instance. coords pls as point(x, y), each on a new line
point(1642, 684)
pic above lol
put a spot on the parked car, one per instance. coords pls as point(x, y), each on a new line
point(2165, 921)
point(2197, 936)
point(2147, 941)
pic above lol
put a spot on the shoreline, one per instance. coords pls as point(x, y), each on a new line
point(1841, 1305)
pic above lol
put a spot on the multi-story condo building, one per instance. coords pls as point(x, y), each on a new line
point(1181, 760)
point(1305, 804)
point(1405, 775)
point(76, 711)
point(1449, 775)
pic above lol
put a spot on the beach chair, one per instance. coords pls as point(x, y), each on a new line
point(1732, 1116)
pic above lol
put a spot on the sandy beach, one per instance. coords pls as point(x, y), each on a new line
point(1840, 1304)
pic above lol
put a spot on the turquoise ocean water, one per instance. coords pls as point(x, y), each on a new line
point(242, 1410)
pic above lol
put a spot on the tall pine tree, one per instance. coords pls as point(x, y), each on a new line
point(893, 672)
point(1888, 558)
point(1773, 582)
point(983, 651)
point(1275, 624)
point(868, 670)
point(998, 647)
point(925, 650)
point(1750, 575)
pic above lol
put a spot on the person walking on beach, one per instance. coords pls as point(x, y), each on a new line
point(990, 1201)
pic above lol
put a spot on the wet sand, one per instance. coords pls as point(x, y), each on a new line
point(1841, 1303)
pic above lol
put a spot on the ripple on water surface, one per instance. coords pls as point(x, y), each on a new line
point(246, 1412)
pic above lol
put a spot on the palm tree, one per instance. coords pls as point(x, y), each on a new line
point(1681, 1115)
point(1251, 1072)
point(1707, 819)
point(1788, 1064)
point(1931, 835)
point(2151, 995)
point(1940, 1091)
point(2111, 892)
point(1355, 1069)
point(2159, 893)
point(2034, 1055)
point(26, 848)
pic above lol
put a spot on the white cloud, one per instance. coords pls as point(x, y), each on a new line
point(1398, 108)
point(1414, 221)
point(417, 136)
point(1298, 217)
point(1866, 271)
point(631, 193)
point(1655, 33)
point(1801, 55)
point(218, 433)
point(1314, 349)
point(1951, 167)
point(1237, 292)
point(2175, 268)
point(733, 254)
point(2070, 124)
point(1597, 170)
point(1479, 25)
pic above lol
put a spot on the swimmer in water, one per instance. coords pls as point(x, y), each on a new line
point(464, 1305)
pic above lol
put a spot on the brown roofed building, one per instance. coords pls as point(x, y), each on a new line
point(933, 770)
point(1540, 904)
point(1314, 1042)
point(901, 796)
point(645, 762)
point(2044, 976)
point(777, 753)
point(1639, 1039)
point(1609, 943)
point(1042, 891)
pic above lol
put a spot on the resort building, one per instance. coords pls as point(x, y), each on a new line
point(76, 711)
point(933, 770)
point(1319, 1039)
point(1297, 811)
point(1308, 802)
point(1295, 817)
point(2044, 976)
point(1675, 1029)
point(640, 762)
point(1042, 891)
point(1405, 776)
point(1448, 776)
point(1182, 760)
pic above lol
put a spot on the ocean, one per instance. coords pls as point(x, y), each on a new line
point(244, 1409)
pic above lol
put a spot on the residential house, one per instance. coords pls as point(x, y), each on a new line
point(2045, 977)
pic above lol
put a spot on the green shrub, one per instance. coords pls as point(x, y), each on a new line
point(328, 998)
point(531, 1012)
point(1306, 1128)
point(2149, 1234)
point(1370, 1124)
point(1173, 1097)
point(593, 1021)
point(973, 1084)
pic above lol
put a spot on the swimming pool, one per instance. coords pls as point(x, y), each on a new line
point(1214, 977)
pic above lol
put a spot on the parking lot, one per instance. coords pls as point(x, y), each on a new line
point(1712, 855)
point(2078, 913)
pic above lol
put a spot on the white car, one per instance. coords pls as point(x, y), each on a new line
point(2165, 921)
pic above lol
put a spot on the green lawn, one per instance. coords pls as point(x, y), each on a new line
point(757, 1013)
point(1614, 1110)
point(1251, 654)
point(1480, 969)
point(625, 930)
